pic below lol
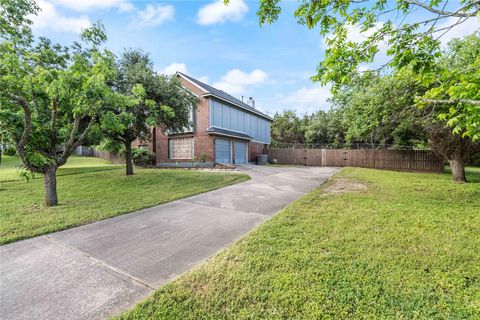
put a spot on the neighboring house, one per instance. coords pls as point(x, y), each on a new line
point(225, 129)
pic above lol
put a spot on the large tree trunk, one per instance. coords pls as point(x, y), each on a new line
point(50, 182)
point(456, 149)
point(458, 170)
point(128, 159)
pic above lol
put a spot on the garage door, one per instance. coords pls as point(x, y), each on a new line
point(240, 152)
point(222, 151)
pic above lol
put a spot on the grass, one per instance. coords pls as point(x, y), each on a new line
point(91, 189)
point(407, 247)
point(9, 167)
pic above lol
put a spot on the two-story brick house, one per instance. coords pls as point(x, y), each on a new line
point(225, 129)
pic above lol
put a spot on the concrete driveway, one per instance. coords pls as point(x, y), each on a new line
point(101, 269)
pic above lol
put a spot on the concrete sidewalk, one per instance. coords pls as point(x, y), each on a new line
point(101, 269)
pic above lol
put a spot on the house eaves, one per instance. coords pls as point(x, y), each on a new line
point(223, 96)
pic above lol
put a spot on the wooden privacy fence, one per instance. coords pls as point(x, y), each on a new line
point(92, 152)
point(402, 160)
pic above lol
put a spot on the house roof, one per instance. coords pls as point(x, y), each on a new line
point(222, 95)
point(228, 133)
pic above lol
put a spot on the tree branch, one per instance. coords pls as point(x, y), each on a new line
point(27, 130)
point(53, 127)
point(450, 101)
point(72, 144)
point(457, 13)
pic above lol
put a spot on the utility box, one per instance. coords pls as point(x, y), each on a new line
point(262, 159)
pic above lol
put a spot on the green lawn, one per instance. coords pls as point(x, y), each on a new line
point(9, 167)
point(91, 189)
point(407, 247)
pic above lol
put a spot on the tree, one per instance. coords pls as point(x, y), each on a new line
point(326, 128)
point(410, 30)
point(456, 149)
point(51, 95)
point(287, 127)
point(380, 110)
point(454, 86)
point(148, 100)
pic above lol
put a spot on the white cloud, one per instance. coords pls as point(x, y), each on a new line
point(305, 99)
point(218, 12)
point(354, 34)
point(49, 18)
point(87, 5)
point(235, 81)
point(152, 15)
point(459, 31)
point(174, 67)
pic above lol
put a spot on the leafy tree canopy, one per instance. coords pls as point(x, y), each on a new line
point(380, 110)
point(454, 86)
point(287, 127)
point(411, 29)
point(411, 32)
point(326, 127)
point(51, 94)
point(148, 100)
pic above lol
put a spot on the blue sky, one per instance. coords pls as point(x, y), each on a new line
point(224, 46)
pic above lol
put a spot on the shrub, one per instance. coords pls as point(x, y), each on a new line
point(143, 157)
point(10, 151)
point(476, 160)
point(202, 157)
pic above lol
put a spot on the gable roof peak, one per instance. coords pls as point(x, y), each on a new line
point(222, 95)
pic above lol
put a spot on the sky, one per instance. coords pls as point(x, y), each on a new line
point(223, 46)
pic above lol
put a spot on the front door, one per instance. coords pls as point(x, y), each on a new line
point(222, 151)
point(240, 152)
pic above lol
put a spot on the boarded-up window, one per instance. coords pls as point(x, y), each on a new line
point(180, 148)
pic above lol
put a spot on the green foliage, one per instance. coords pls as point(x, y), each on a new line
point(404, 248)
point(326, 127)
point(51, 94)
point(287, 127)
point(202, 158)
point(454, 86)
point(409, 29)
point(371, 109)
point(10, 151)
point(380, 110)
point(143, 157)
point(113, 146)
point(25, 174)
point(145, 100)
point(14, 24)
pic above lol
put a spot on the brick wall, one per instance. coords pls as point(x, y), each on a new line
point(203, 142)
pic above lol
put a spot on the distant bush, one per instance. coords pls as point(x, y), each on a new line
point(143, 157)
point(475, 160)
point(10, 151)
